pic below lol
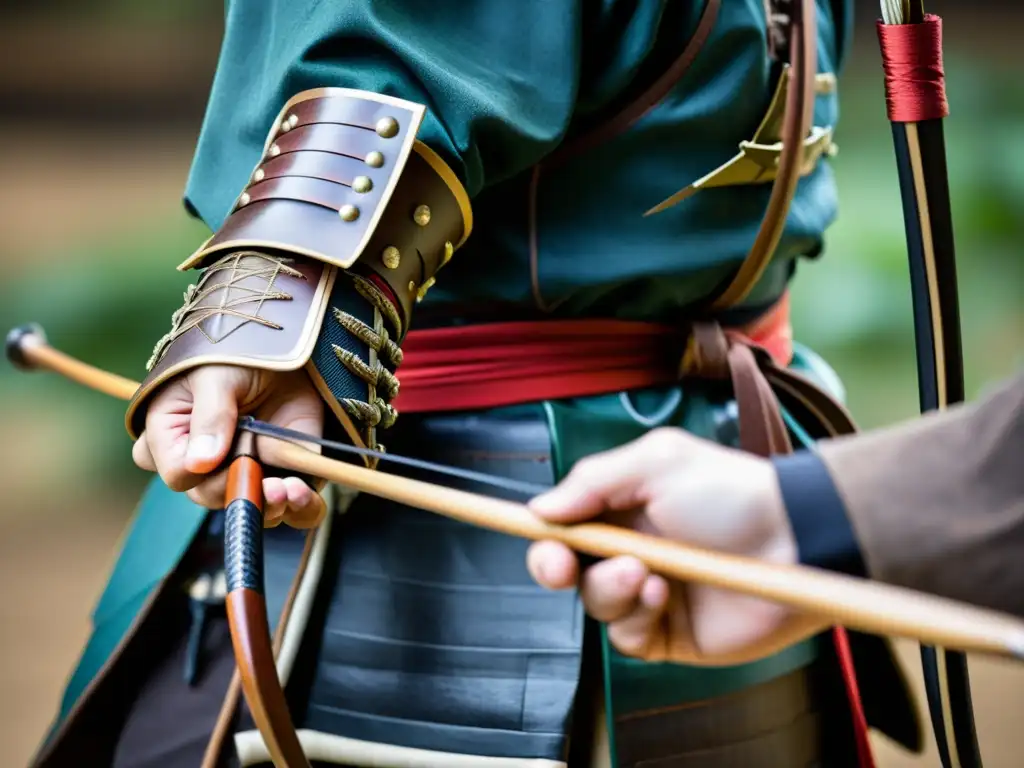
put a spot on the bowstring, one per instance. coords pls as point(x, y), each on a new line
point(265, 429)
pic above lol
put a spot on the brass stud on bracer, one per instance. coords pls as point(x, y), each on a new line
point(387, 127)
point(421, 215)
point(362, 184)
point(375, 159)
point(348, 213)
point(391, 257)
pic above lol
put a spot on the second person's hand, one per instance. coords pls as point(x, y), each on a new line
point(671, 484)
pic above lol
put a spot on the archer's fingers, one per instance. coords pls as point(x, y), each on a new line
point(611, 589)
point(613, 480)
point(275, 501)
point(296, 405)
point(306, 507)
point(635, 633)
point(290, 500)
point(552, 565)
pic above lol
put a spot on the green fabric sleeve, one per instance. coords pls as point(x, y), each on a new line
point(499, 79)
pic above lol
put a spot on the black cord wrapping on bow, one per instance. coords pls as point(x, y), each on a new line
point(265, 429)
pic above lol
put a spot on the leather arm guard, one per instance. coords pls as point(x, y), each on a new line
point(342, 227)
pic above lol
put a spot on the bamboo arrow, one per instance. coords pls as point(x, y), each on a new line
point(844, 600)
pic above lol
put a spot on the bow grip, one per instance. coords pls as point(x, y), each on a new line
point(243, 518)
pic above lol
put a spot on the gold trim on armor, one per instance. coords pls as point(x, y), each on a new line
point(452, 182)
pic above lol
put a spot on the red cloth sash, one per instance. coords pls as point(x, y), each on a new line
point(499, 364)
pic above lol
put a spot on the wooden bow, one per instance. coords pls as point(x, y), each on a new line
point(911, 44)
point(838, 599)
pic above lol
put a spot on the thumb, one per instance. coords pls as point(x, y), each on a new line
point(614, 480)
point(596, 484)
point(215, 394)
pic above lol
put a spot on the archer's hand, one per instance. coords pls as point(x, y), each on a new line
point(191, 423)
point(672, 484)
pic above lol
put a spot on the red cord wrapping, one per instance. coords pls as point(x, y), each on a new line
point(915, 86)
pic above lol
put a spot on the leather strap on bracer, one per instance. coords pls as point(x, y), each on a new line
point(343, 225)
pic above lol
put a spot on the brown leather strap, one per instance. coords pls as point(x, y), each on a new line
point(799, 391)
point(342, 140)
point(329, 166)
point(762, 430)
point(796, 125)
point(760, 387)
point(713, 355)
point(355, 112)
point(605, 131)
point(646, 101)
point(326, 194)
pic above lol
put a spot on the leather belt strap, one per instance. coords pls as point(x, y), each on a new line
point(712, 354)
point(796, 126)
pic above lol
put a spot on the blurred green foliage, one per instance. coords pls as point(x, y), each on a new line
point(854, 305)
point(111, 303)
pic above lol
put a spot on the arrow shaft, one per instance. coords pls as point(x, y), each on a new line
point(844, 600)
point(855, 603)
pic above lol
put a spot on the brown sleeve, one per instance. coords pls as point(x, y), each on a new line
point(937, 504)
